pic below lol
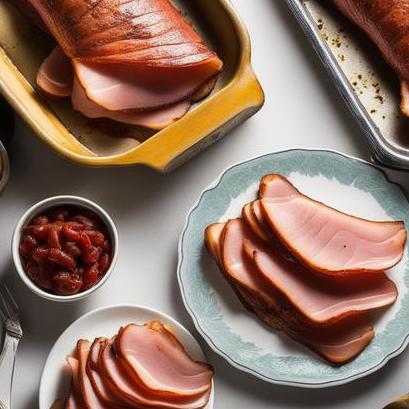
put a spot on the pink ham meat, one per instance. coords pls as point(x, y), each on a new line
point(338, 343)
point(156, 119)
point(156, 360)
point(55, 75)
point(251, 219)
point(386, 22)
point(320, 300)
point(99, 384)
point(89, 396)
point(327, 240)
point(120, 383)
point(55, 79)
point(130, 55)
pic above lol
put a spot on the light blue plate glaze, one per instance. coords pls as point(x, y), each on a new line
point(349, 184)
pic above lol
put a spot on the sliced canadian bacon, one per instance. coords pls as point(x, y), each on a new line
point(89, 396)
point(157, 119)
point(121, 383)
point(99, 384)
point(337, 343)
point(327, 240)
point(156, 360)
point(55, 75)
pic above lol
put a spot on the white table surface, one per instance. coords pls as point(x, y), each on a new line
point(302, 110)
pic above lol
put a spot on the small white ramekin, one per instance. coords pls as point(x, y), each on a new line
point(62, 201)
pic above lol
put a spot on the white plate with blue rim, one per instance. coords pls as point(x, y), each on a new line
point(348, 184)
point(105, 321)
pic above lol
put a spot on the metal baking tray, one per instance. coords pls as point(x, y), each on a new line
point(369, 87)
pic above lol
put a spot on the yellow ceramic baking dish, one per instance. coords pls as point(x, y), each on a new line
point(237, 96)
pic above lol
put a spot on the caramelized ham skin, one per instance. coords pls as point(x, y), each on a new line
point(130, 54)
point(337, 343)
point(156, 360)
point(386, 22)
point(327, 240)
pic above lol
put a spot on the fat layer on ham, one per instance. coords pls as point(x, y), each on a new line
point(338, 343)
point(327, 240)
point(138, 62)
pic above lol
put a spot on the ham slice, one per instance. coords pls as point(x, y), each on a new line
point(251, 219)
point(122, 385)
point(89, 395)
point(99, 384)
point(155, 358)
point(320, 300)
point(156, 119)
point(386, 22)
point(327, 240)
point(74, 400)
point(338, 343)
point(55, 79)
point(55, 75)
point(130, 54)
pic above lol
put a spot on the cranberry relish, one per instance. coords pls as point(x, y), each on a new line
point(65, 250)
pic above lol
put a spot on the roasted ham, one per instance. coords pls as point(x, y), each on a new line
point(327, 240)
point(338, 343)
point(271, 259)
point(143, 366)
point(386, 22)
point(138, 62)
point(154, 358)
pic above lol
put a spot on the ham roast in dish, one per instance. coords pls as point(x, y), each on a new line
point(337, 343)
point(386, 22)
point(327, 240)
point(137, 62)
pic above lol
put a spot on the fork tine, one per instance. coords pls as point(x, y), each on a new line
point(3, 305)
point(11, 300)
point(7, 303)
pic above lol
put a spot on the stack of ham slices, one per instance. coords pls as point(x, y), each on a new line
point(137, 62)
point(143, 366)
point(307, 269)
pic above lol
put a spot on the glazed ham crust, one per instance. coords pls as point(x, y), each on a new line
point(386, 22)
point(123, 31)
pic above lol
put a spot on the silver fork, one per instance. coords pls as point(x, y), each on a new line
point(13, 333)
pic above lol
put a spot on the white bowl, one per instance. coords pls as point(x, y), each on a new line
point(4, 167)
point(50, 203)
